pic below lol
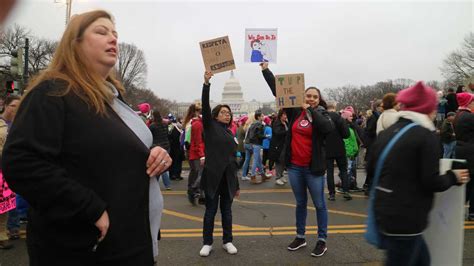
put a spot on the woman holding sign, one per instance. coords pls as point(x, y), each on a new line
point(305, 158)
point(219, 177)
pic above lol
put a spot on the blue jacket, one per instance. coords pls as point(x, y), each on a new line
point(268, 137)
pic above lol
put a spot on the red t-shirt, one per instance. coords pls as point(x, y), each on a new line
point(301, 141)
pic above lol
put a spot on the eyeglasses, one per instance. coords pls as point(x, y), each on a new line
point(225, 113)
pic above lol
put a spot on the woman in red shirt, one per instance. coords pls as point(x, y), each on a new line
point(305, 158)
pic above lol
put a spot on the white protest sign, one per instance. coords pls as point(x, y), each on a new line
point(260, 45)
point(445, 233)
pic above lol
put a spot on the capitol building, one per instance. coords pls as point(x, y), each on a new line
point(233, 96)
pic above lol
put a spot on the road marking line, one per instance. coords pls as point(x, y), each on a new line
point(273, 233)
point(253, 191)
point(196, 218)
point(281, 233)
point(310, 208)
point(351, 226)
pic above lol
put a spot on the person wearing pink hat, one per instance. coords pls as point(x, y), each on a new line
point(305, 157)
point(403, 189)
point(145, 113)
point(464, 130)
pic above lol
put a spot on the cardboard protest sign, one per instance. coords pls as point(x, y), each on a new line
point(289, 90)
point(217, 55)
point(445, 233)
point(260, 45)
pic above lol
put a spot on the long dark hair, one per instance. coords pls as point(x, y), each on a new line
point(322, 102)
point(190, 114)
point(280, 113)
point(157, 119)
point(215, 112)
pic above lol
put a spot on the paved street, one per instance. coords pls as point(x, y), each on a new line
point(263, 226)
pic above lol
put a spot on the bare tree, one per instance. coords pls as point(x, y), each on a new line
point(134, 96)
point(41, 53)
point(132, 68)
point(459, 65)
point(361, 98)
point(11, 39)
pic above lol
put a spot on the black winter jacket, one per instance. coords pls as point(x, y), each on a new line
point(335, 147)
point(322, 125)
point(160, 135)
point(278, 140)
point(409, 179)
point(71, 165)
point(220, 150)
point(464, 128)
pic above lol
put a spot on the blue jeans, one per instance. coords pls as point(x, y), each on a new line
point(257, 159)
point(407, 251)
point(302, 180)
point(22, 206)
point(248, 155)
point(226, 211)
point(448, 149)
point(165, 176)
point(13, 221)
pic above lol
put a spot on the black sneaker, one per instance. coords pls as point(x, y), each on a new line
point(320, 249)
point(192, 199)
point(297, 244)
point(470, 217)
point(202, 201)
point(347, 196)
point(5, 244)
point(332, 197)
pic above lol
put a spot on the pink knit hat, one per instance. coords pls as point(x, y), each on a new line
point(267, 120)
point(350, 109)
point(144, 108)
point(418, 98)
point(464, 99)
point(347, 112)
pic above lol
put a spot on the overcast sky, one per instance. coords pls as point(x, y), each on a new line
point(333, 43)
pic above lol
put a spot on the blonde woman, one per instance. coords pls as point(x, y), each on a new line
point(83, 158)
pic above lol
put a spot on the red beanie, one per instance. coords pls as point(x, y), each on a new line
point(464, 99)
point(418, 98)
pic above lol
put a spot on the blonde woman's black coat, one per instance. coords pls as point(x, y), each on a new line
point(71, 165)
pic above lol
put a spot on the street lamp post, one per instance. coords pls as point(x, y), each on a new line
point(68, 10)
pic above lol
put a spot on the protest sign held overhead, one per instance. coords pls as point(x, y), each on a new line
point(289, 90)
point(217, 55)
point(260, 45)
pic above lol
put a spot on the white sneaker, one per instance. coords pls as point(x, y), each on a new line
point(230, 248)
point(245, 178)
point(280, 182)
point(205, 250)
point(285, 180)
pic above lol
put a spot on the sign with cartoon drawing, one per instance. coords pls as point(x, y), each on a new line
point(289, 90)
point(260, 45)
point(217, 55)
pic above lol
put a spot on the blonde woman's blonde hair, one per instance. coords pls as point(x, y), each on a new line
point(250, 120)
point(69, 65)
